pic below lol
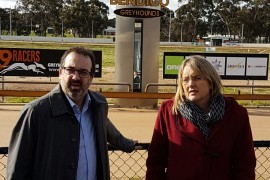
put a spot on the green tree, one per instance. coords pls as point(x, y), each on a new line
point(224, 17)
point(82, 16)
point(22, 24)
point(260, 10)
point(4, 15)
point(165, 24)
point(192, 18)
point(44, 13)
point(266, 20)
point(112, 22)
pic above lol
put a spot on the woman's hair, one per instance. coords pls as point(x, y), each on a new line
point(82, 51)
point(203, 68)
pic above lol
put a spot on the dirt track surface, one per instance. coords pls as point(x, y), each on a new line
point(136, 123)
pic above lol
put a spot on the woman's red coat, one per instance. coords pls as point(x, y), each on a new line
point(183, 153)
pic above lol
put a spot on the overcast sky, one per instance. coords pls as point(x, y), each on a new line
point(11, 3)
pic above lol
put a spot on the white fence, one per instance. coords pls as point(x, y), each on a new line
point(108, 41)
point(56, 39)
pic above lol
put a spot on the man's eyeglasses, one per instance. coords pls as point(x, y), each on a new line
point(186, 80)
point(83, 73)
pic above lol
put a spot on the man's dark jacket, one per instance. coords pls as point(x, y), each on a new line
point(45, 141)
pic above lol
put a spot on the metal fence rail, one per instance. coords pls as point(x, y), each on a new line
point(133, 165)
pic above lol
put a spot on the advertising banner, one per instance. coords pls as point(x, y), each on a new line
point(36, 62)
point(228, 66)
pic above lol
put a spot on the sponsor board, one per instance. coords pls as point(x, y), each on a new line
point(228, 66)
point(36, 62)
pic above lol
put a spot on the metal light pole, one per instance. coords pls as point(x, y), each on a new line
point(31, 30)
point(242, 38)
point(92, 30)
point(0, 28)
point(181, 33)
point(10, 24)
point(170, 26)
point(211, 41)
point(62, 30)
point(31, 27)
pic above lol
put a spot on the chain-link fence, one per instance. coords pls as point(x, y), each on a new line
point(262, 151)
point(133, 165)
point(3, 162)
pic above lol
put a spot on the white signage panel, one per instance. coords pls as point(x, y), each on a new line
point(218, 63)
point(256, 66)
point(235, 66)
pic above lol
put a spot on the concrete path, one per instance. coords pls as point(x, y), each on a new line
point(135, 123)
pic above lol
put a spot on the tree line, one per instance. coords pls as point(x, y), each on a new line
point(245, 20)
point(82, 18)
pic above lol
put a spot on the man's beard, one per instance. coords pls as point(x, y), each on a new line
point(75, 94)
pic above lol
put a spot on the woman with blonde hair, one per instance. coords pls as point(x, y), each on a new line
point(200, 134)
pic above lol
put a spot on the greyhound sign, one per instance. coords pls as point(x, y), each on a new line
point(35, 62)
